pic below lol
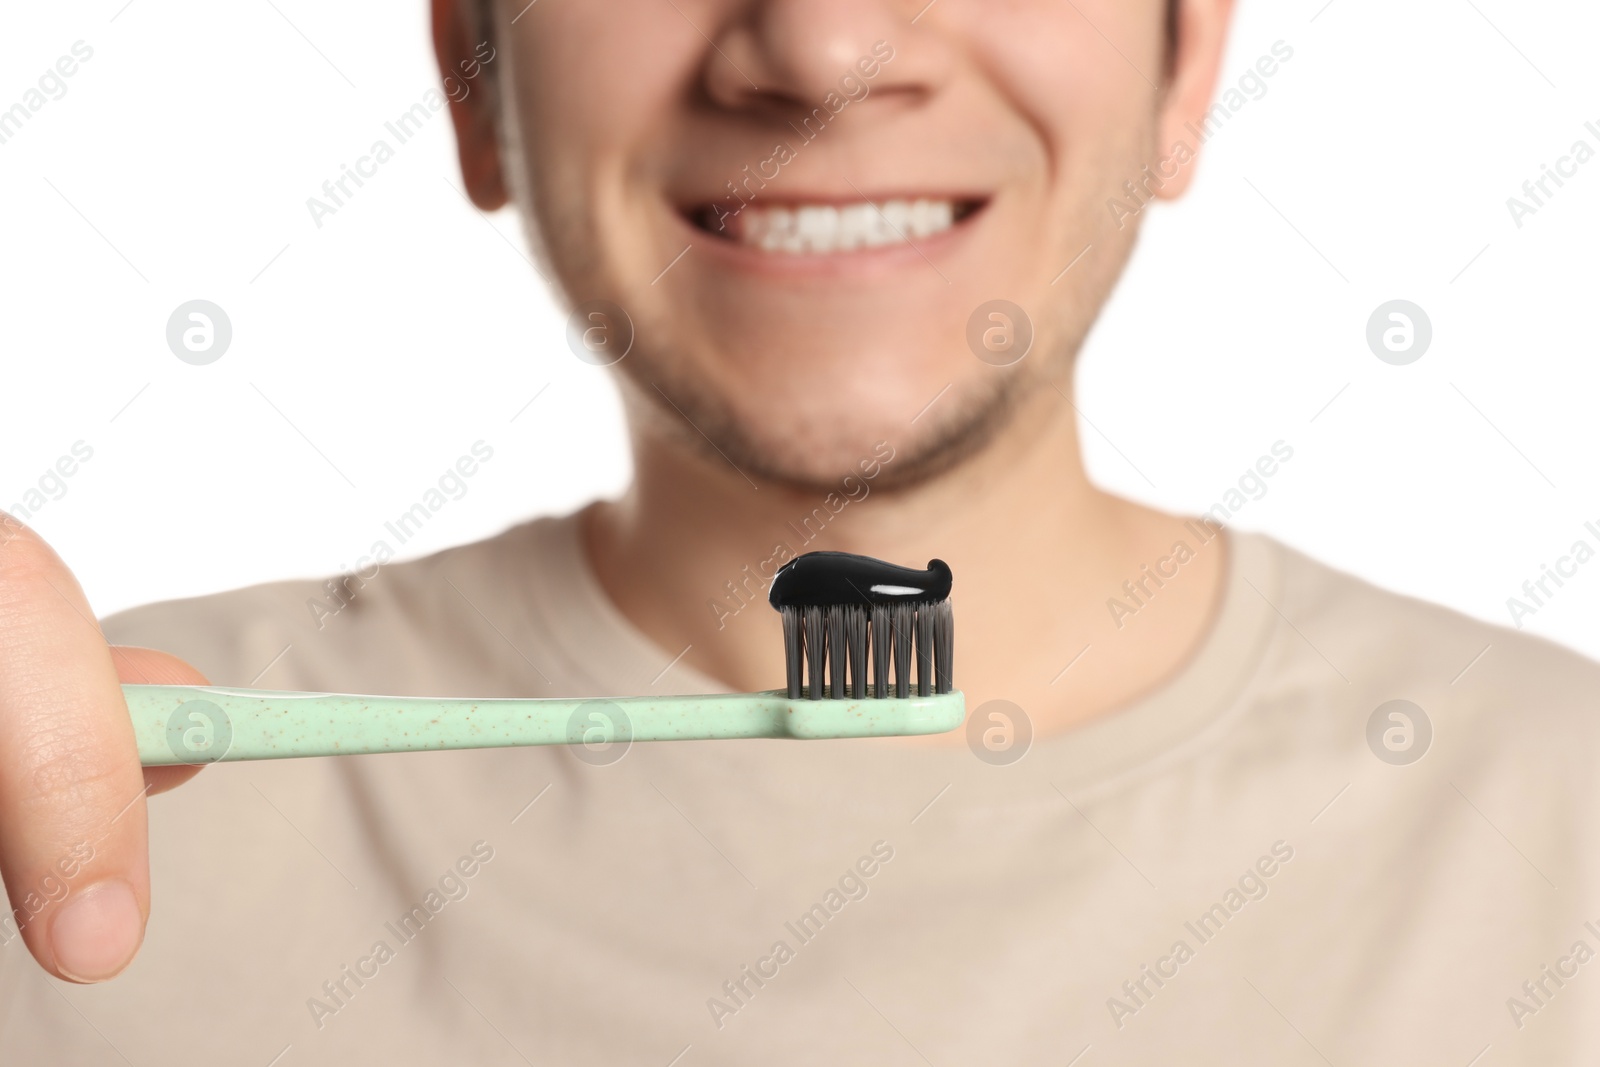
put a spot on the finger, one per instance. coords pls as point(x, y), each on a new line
point(73, 849)
point(147, 666)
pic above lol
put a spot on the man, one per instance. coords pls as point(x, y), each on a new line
point(1216, 803)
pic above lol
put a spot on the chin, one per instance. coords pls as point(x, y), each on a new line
point(805, 427)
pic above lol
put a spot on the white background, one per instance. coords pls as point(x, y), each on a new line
point(370, 354)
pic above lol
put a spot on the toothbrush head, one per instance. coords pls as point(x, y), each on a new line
point(841, 609)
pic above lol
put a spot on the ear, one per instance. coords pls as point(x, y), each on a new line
point(1202, 40)
point(466, 63)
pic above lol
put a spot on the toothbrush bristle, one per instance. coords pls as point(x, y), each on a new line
point(858, 628)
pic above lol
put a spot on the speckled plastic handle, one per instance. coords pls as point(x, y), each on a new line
point(178, 724)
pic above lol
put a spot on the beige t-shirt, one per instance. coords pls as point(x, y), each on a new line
point(1225, 873)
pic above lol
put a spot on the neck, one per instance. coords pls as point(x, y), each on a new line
point(1036, 549)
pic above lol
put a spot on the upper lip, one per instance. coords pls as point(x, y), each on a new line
point(712, 216)
point(788, 197)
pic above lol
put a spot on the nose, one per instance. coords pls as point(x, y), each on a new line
point(782, 53)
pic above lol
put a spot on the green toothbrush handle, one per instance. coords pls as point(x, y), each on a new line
point(178, 724)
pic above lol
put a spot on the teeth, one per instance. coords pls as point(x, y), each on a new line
point(821, 229)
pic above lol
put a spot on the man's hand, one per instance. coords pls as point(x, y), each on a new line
point(73, 846)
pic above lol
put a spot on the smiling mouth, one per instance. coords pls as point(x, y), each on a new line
point(799, 229)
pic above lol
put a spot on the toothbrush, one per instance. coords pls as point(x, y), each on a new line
point(836, 608)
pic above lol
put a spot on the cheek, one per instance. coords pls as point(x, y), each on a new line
point(593, 85)
point(1083, 76)
point(599, 67)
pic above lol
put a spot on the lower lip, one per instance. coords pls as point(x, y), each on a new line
point(925, 253)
